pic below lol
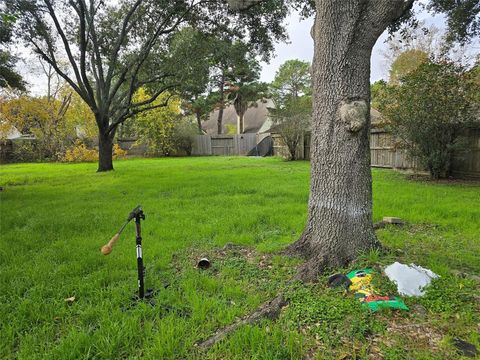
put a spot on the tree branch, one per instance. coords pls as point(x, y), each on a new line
point(53, 62)
point(130, 110)
point(98, 65)
point(83, 86)
point(121, 39)
point(83, 44)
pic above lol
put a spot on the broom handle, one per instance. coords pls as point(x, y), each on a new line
point(136, 214)
point(107, 249)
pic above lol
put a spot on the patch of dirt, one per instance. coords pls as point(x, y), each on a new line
point(448, 181)
point(412, 229)
point(262, 261)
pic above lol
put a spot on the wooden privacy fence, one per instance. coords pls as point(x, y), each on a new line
point(384, 153)
point(227, 145)
point(280, 149)
point(467, 164)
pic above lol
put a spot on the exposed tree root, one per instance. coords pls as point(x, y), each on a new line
point(309, 271)
point(299, 247)
point(270, 310)
point(313, 267)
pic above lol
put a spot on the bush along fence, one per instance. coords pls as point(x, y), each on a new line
point(384, 152)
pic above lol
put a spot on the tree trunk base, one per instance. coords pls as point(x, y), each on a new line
point(301, 247)
point(105, 153)
point(323, 260)
point(103, 169)
point(307, 272)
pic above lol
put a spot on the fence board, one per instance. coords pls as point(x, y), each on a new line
point(467, 164)
point(383, 152)
point(202, 145)
point(225, 145)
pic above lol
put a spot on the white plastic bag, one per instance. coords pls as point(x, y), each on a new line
point(410, 279)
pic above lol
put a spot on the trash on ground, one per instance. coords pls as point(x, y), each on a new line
point(466, 348)
point(69, 300)
point(410, 279)
point(392, 220)
point(367, 294)
point(388, 220)
point(338, 280)
point(203, 263)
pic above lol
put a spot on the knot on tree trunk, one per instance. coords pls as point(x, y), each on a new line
point(354, 114)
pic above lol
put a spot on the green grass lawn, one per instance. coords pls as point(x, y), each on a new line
point(55, 218)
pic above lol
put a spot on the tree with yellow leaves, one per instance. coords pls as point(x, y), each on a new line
point(44, 119)
point(54, 122)
point(156, 128)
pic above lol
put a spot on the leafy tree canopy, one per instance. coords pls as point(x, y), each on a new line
point(115, 48)
point(292, 80)
point(406, 62)
point(9, 78)
point(430, 110)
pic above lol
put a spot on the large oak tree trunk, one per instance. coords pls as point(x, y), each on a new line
point(339, 224)
point(105, 152)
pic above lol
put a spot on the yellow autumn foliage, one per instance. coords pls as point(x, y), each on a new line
point(54, 122)
point(155, 128)
point(118, 152)
point(80, 153)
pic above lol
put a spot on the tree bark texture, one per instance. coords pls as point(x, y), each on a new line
point(241, 107)
point(339, 224)
point(105, 152)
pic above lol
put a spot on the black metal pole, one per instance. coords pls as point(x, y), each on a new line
point(141, 289)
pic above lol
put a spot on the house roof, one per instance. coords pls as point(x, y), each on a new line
point(254, 118)
point(376, 118)
point(9, 132)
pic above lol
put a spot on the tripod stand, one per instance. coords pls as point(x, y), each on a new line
point(138, 215)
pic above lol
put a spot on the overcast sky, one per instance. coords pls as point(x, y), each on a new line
point(300, 46)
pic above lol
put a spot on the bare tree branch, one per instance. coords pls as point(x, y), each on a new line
point(81, 84)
